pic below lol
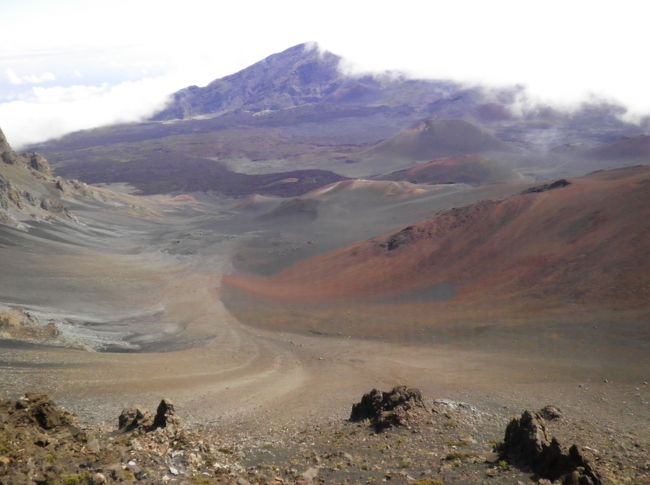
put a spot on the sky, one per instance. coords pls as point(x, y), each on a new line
point(67, 65)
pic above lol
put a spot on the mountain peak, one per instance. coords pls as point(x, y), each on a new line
point(299, 75)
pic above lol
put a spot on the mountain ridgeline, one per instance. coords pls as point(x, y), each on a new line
point(299, 110)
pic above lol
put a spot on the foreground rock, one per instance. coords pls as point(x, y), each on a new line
point(42, 444)
point(39, 409)
point(528, 445)
point(133, 419)
point(399, 407)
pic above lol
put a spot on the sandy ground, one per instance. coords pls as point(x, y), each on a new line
point(249, 375)
point(154, 286)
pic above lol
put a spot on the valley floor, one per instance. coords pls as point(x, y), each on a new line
point(278, 401)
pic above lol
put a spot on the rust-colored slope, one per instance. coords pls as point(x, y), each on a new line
point(585, 243)
point(467, 169)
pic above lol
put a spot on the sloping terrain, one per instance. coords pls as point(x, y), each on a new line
point(283, 231)
point(436, 139)
point(125, 304)
point(29, 191)
point(170, 173)
point(299, 75)
point(464, 169)
point(583, 246)
point(27, 188)
point(627, 149)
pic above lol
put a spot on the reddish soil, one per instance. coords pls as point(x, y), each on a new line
point(584, 244)
point(468, 169)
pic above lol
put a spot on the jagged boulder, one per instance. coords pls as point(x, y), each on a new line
point(132, 419)
point(32, 160)
point(397, 407)
point(550, 413)
point(41, 409)
point(527, 445)
point(41, 417)
point(165, 415)
point(7, 155)
point(37, 162)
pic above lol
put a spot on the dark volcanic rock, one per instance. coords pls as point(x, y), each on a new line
point(43, 411)
point(558, 184)
point(165, 415)
point(388, 409)
point(528, 446)
point(132, 419)
point(400, 238)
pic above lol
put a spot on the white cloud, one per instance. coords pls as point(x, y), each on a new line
point(49, 112)
point(17, 80)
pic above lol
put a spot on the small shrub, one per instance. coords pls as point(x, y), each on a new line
point(10, 318)
point(428, 481)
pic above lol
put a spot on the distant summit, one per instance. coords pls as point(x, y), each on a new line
point(299, 75)
point(305, 75)
point(298, 110)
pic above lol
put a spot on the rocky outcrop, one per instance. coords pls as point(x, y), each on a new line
point(132, 419)
point(165, 415)
point(136, 419)
point(31, 160)
point(41, 443)
point(550, 413)
point(40, 409)
point(7, 155)
point(398, 239)
point(399, 407)
point(38, 162)
point(28, 189)
point(558, 184)
point(528, 445)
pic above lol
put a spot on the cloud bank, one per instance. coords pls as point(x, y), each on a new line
point(17, 80)
point(50, 112)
